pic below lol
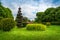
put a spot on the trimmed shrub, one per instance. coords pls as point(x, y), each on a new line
point(36, 27)
point(7, 24)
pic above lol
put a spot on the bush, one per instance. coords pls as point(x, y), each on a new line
point(1, 18)
point(7, 24)
point(24, 24)
point(36, 27)
point(48, 23)
point(55, 23)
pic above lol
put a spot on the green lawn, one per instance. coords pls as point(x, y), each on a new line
point(52, 33)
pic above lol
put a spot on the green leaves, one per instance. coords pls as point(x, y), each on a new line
point(5, 12)
point(36, 27)
point(7, 24)
point(50, 15)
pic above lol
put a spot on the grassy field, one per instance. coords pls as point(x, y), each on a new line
point(52, 33)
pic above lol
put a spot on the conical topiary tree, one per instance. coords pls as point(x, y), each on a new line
point(19, 18)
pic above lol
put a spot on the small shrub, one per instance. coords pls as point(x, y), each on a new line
point(48, 23)
point(36, 27)
point(24, 24)
point(7, 24)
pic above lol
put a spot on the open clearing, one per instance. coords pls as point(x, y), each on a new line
point(51, 33)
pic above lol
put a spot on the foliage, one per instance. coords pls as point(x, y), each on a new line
point(5, 12)
point(1, 18)
point(48, 24)
point(7, 24)
point(55, 23)
point(25, 20)
point(39, 17)
point(24, 24)
point(36, 27)
point(50, 15)
point(19, 19)
point(0, 3)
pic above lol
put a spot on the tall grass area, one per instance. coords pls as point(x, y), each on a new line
point(52, 33)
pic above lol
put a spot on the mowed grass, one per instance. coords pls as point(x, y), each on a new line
point(51, 33)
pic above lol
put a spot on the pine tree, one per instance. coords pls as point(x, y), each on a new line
point(19, 18)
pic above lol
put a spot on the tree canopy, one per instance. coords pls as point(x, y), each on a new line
point(5, 12)
point(50, 15)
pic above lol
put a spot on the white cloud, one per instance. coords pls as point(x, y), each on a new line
point(14, 9)
point(29, 10)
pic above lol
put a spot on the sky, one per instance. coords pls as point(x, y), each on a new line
point(29, 8)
